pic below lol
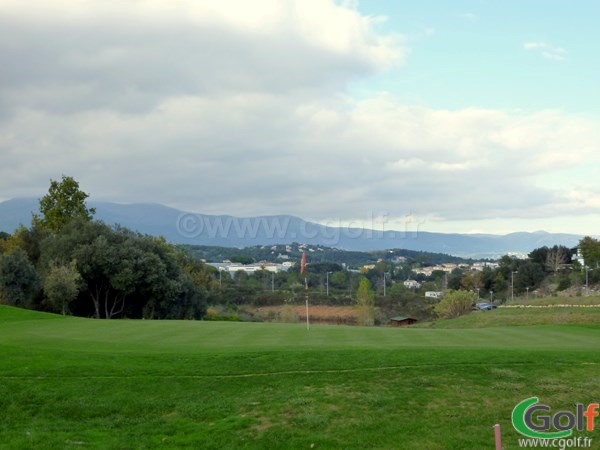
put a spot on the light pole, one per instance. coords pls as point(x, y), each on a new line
point(272, 281)
point(491, 296)
point(477, 294)
point(220, 276)
point(587, 285)
point(527, 292)
point(512, 285)
point(384, 284)
point(327, 282)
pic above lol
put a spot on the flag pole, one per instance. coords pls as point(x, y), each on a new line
point(303, 272)
point(306, 297)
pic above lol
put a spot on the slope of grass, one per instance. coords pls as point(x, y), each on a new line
point(80, 383)
point(548, 301)
point(509, 317)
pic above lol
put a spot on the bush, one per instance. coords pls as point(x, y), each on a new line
point(564, 283)
point(219, 314)
point(455, 303)
point(288, 314)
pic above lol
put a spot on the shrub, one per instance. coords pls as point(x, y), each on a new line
point(288, 314)
point(455, 303)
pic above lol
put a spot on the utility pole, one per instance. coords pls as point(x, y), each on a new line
point(327, 282)
point(587, 285)
point(384, 284)
point(512, 284)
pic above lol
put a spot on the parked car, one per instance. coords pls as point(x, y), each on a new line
point(484, 306)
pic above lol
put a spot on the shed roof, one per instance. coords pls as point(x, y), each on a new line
point(401, 318)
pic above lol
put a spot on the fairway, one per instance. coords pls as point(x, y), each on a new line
point(81, 383)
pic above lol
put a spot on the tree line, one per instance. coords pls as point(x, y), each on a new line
point(68, 263)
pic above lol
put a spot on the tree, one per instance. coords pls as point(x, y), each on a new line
point(63, 203)
point(61, 286)
point(556, 258)
point(366, 303)
point(499, 284)
point(530, 275)
point(455, 303)
point(539, 255)
point(590, 248)
point(472, 281)
point(242, 259)
point(18, 279)
point(338, 280)
point(455, 279)
point(28, 239)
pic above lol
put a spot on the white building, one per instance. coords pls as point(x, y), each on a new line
point(232, 268)
point(579, 257)
point(412, 284)
point(434, 294)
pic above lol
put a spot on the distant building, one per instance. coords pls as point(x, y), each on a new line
point(412, 284)
point(434, 294)
point(401, 321)
point(232, 268)
point(579, 257)
point(479, 266)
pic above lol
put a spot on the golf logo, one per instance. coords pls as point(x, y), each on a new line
point(533, 419)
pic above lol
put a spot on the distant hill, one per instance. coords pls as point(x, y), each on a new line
point(228, 231)
point(321, 254)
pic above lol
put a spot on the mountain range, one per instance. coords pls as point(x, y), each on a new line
point(183, 227)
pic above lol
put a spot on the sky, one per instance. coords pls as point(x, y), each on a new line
point(464, 116)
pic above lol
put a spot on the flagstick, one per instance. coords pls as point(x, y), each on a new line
point(498, 437)
point(306, 296)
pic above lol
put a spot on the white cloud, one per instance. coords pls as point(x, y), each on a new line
point(250, 154)
point(221, 109)
point(130, 55)
point(546, 50)
point(471, 17)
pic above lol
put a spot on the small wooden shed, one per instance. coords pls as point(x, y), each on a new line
point(401, 321)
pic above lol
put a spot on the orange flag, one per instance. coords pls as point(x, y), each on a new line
point(303, 264)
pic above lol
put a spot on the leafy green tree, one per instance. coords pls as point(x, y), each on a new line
point(499, 284)
point(338, 280)
point(189, 301)
point(241, 259)
point(366, 303)
point(125, 273)
point(539, 255)
point(61, 286)
point(530, 275)
point(455, 279)
point(63, 203)
point(5, 239)
point(455, 303)
point(590, 248)
point(18, 279)
point(472, 281)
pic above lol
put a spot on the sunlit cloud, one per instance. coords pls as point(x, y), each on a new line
point(546, 50)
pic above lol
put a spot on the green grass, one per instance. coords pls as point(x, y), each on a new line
point(81, 383)
point(510, 317)
point(543, 301)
